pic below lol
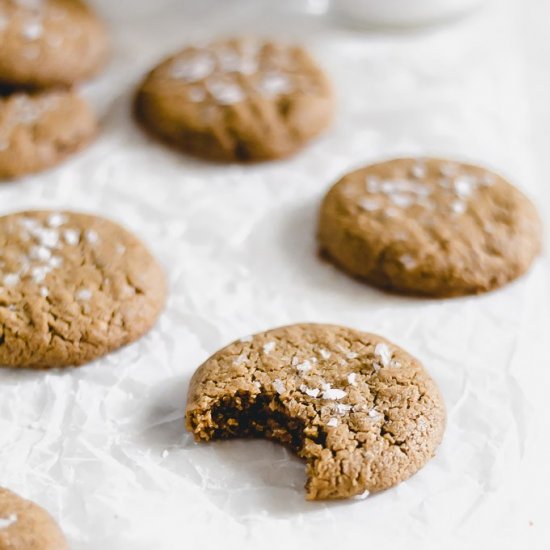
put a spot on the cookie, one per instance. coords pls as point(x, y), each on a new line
point(38, 131)
point(236, 100)
point(73, 287)
point(49, 42)
point(429, 227)
point(362, 412)
point(26, 526)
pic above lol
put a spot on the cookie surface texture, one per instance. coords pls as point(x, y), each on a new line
point(49, 42)
point(362, 412)
point(73, 287)
point(26, 526)
point(429, 227)
point(38, 131)
point(236, 100)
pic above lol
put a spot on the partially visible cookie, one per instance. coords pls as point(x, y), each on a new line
point(236, 100)
point(49, 42)
point(73, 287)
point(37, 131)
point(429, 227)
point(362, 412)
point(26, 526)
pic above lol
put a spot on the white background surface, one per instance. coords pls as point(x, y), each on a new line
point(104, 447)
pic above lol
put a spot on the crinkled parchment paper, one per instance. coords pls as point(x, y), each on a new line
point(104, 448)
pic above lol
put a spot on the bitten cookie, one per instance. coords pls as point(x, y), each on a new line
point(362, 412)
point(236, 100)
point(429, 227)
point(73, 287)
point(49, 42)
point(38, 131)
point(26, 526)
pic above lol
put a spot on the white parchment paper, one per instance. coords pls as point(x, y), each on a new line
point(104, 448)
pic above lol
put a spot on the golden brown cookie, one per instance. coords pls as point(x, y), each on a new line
point(49, 42)
point(362, 412)
point(73, 287)
point(38, 131)
point(26, 526)
point(429, 227)
point(236, 100)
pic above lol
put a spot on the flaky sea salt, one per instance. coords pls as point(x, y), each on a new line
point(333, 423)
point(44, 292)
point(275, 84)
point(368, 204)
point(39, 273)
point(196, 94)
point(54, 262)
point(383, 351)
point(325, 354)
point(407, 261)
point(402, 201)
point(488, 179)
point(8, 521)
point(32, 30)
point(448, 169)
point(312, 392)
point(246, 339)
point(47, 237)
point(304, 366)
point(194, 68)
point(352, 378)
point(419, 170)
point(458, 207)
point(278, 386)
point(56, 219)
point(343, 409)
point(240, 359)
point(11, 279)
point(40, 253)
point(269, 347)
point(464, 186)
point(83, 294)
point(362, 496)
point(91, 236)
point(333, 394)
point(71, 236)
point(224, 92)
point(372, 184)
